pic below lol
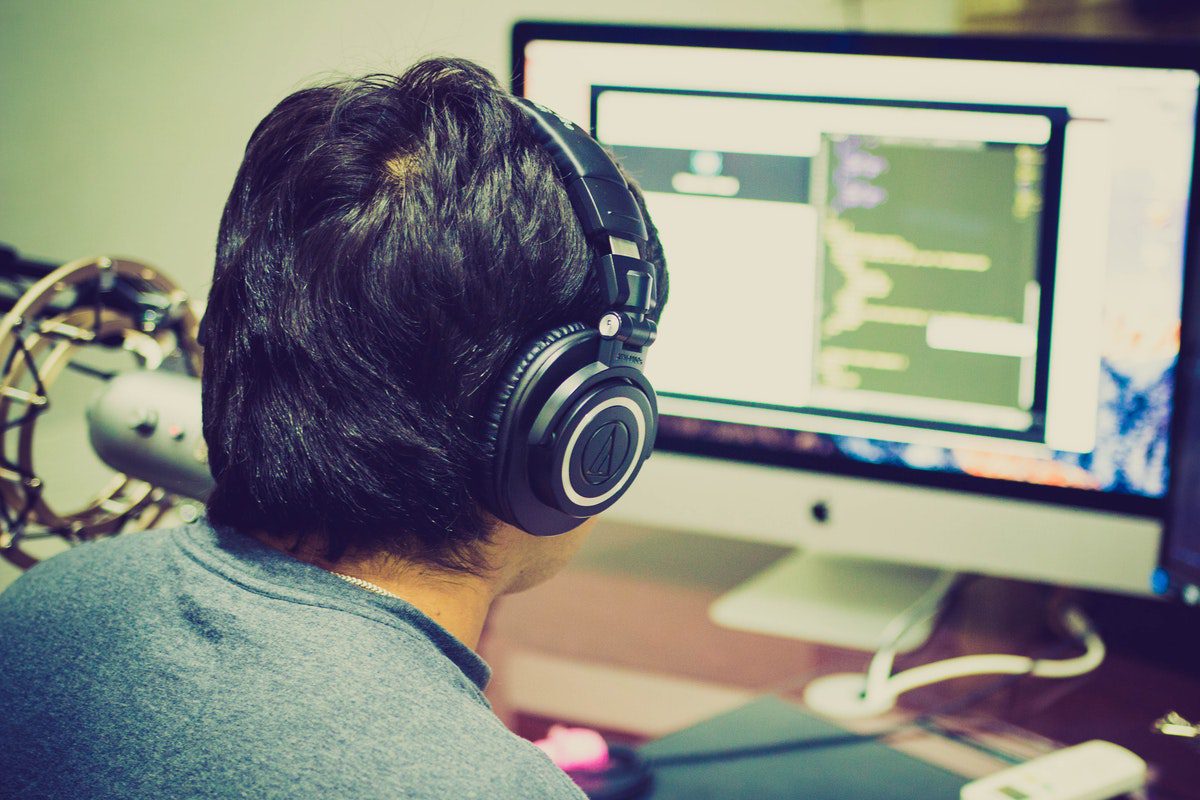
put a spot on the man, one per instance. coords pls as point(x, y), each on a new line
point(388, 245)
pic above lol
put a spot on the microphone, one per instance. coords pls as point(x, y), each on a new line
point(146, 424)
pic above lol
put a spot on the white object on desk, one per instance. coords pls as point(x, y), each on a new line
point(1095, 770)
point(856, 696)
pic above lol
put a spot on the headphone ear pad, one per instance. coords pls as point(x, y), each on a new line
point(506, 386)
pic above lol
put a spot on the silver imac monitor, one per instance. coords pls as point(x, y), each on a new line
point(925, 292)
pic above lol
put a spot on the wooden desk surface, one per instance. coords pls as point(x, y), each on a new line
point(622, 641)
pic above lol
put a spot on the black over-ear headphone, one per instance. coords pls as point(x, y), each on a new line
point(573, 417)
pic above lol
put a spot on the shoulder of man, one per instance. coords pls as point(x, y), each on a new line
point(89, 567)
point(457, 747)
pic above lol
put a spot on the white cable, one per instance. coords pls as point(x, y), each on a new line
point(925, 607)
point(1076, 623)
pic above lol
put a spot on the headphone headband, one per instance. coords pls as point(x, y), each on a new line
point(598, 191)
point(612, 221)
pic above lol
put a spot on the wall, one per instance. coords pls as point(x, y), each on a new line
point(1127, 19)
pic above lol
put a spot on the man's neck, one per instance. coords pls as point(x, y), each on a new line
point(459, 602)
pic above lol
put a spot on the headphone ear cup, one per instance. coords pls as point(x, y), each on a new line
point(604, 433)
point(499, 419)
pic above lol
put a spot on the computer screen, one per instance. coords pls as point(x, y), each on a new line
point(954, 262)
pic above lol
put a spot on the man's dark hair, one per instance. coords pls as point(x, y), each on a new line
point(389, 243)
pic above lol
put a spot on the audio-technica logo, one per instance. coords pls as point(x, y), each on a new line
point(606, 452)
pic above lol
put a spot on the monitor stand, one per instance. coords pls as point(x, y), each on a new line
point(831, 599)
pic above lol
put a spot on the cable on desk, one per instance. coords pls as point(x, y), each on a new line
point(926, 607)
point(1011, 668)
point(854, 695)
point(1078, 625)
point(967, 740)
point(926, 720)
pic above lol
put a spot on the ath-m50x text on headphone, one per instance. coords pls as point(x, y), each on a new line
point(573, 418)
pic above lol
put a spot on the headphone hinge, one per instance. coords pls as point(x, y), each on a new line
point(627, 283)
point(631, 330)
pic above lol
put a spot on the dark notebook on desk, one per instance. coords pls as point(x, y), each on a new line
point(860, 771)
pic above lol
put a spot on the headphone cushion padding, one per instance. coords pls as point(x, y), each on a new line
point(510, 379)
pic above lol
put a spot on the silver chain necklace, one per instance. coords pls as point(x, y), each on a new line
point(370, 587)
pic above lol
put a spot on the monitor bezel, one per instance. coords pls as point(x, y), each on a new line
point(1094, 52)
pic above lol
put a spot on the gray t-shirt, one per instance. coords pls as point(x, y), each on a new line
point(200, 663)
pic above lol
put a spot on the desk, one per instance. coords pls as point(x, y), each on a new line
point(621, 641)
point(864, 771)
